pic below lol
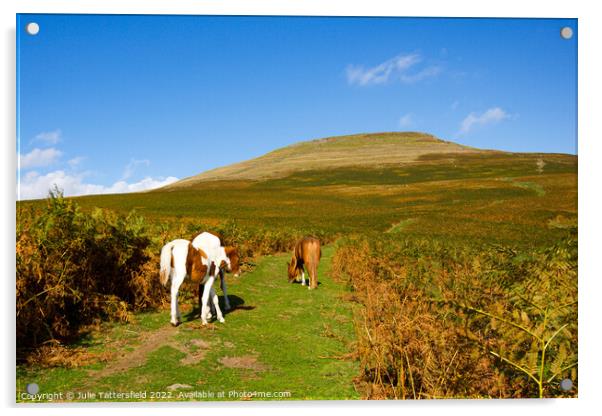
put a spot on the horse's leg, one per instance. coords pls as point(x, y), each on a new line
point(201, 291)
point(303, 277)
point(205, 300)
point(220, 317)
point(225, 290)
point(309, 272)
point(313, 276)
point(176, 281)
point(200, 297)
point(212, 310)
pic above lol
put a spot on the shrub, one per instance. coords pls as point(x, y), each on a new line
point(461, 321)
point(76, 268)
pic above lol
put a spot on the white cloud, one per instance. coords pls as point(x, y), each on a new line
point(33, 185)
point(143, 185)
point(39, 157)
point(406, 120)
point(491, 116)
point(49, 137)
point(131, 167)
point(72, 181)
point(429, 72)
point(357, 74)
point(75, 162)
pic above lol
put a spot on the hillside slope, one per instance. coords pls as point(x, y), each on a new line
point(407, 183)
point(367, 150)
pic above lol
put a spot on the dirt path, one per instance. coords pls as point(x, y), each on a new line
point(194, 350)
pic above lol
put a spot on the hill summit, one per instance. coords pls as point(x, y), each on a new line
point(372, 149)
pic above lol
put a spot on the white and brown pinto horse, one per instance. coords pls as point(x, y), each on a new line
point(306, 255)
point(210, 242)
point(179, 259)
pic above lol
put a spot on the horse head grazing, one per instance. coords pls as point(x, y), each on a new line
point(221, 259)
point(293, 271)
point(232, 254)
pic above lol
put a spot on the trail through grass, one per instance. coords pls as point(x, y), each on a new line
point(279, 337)
point(399, 226)
point(532, 186)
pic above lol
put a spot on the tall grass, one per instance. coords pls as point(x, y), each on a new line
point(438, 320)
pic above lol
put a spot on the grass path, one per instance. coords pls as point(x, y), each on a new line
point(279, 337)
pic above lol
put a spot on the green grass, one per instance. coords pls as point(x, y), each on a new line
point(499, 198)
point(296, 336)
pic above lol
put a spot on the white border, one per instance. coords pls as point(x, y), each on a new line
point(590, 34)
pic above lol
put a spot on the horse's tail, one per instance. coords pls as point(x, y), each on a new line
point(165, 270)
point(316, 253)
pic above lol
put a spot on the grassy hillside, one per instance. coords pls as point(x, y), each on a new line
point(366, 150)
point(489, 196)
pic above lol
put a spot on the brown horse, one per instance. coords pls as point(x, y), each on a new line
point(307, 253)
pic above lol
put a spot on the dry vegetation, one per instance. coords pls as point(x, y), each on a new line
point(441, 321)
point(75, 268)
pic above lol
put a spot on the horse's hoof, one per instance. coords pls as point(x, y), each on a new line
point(175, 324)
point(302, 283)
point(222, 320)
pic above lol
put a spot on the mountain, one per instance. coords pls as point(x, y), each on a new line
point(360, 150)
point(412, 184)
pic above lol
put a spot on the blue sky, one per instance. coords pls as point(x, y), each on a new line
point(126, 103)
